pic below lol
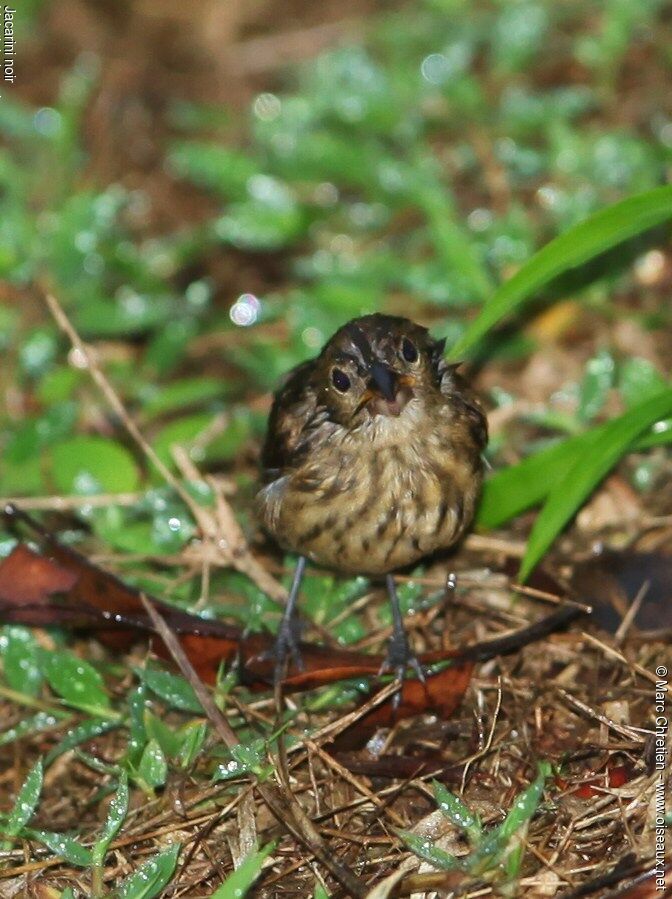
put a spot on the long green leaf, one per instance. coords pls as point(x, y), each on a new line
point(63, 845)
point(151, 877)
point(519, 487)
point(26, 802)
point(457, 812)
point(599, 456)
point(583, 242)
point(237, 884)
point(116, 815)
point(425, 849)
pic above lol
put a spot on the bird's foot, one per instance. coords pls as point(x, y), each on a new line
point(286, 648)
point(399, 658)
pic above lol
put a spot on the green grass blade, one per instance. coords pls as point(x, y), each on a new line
point(583, 242)
point(63, 845)
point(497, 846)
point(525, 804)
point(597, 459)
point(519, 487)
point(515, 489)
point(116, 815)
point(26, 802)
point(426, 850)
point(151, 877)
point(237, 884)
point(457, 812)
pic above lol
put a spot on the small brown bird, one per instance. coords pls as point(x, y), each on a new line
point(372, 460)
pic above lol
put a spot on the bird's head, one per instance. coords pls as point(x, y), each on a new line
point(374, 366)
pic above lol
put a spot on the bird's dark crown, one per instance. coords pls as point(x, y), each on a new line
point(377, 337)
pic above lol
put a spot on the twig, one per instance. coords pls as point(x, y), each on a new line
point(632, 733)
point(355, 782)
point(67, 503)
point(631, 614)
point(228, 546)
point(614, 653)
point(483, 543)
point(113, 399)
point(174, 647)
point(535, 593)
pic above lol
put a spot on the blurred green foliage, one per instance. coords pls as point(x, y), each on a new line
point(413, 171)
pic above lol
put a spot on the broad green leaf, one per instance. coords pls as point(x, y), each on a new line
point(596, 460)
point(583, 242)
point(193, 736)
point(153, 767)
point(172, 688)
point(138, 705)
point(33, 725)
point(164, 736)
point(129, 314)
point(246, 757)
point(25, 803)
point(151, 877)
point(64, 846)
point(213, 166)
point(76, 681)
point(186, 393)
point(256, 225)
point(83, 732)
point(595, 385)
point(519, 487)
point(92, 464)
point(237, 884)
point(182, 432)
point(20, 661)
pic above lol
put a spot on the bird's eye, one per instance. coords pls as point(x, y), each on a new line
point(408, 350)
point(340, 380)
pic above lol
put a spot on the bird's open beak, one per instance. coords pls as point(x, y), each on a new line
point(387, 392)
point(383, 381)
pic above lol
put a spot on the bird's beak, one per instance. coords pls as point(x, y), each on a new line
point(383, 381)
point(387, 392)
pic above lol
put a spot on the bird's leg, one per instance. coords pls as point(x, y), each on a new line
point(399, 653)
point(286, 642)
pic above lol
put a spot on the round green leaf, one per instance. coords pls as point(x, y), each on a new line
point(88, 464)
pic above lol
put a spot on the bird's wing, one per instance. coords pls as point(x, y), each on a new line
point(294, 408)
point(454, 386)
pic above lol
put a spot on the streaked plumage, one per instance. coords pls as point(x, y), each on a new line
point(370, 491)
point(373, 455)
